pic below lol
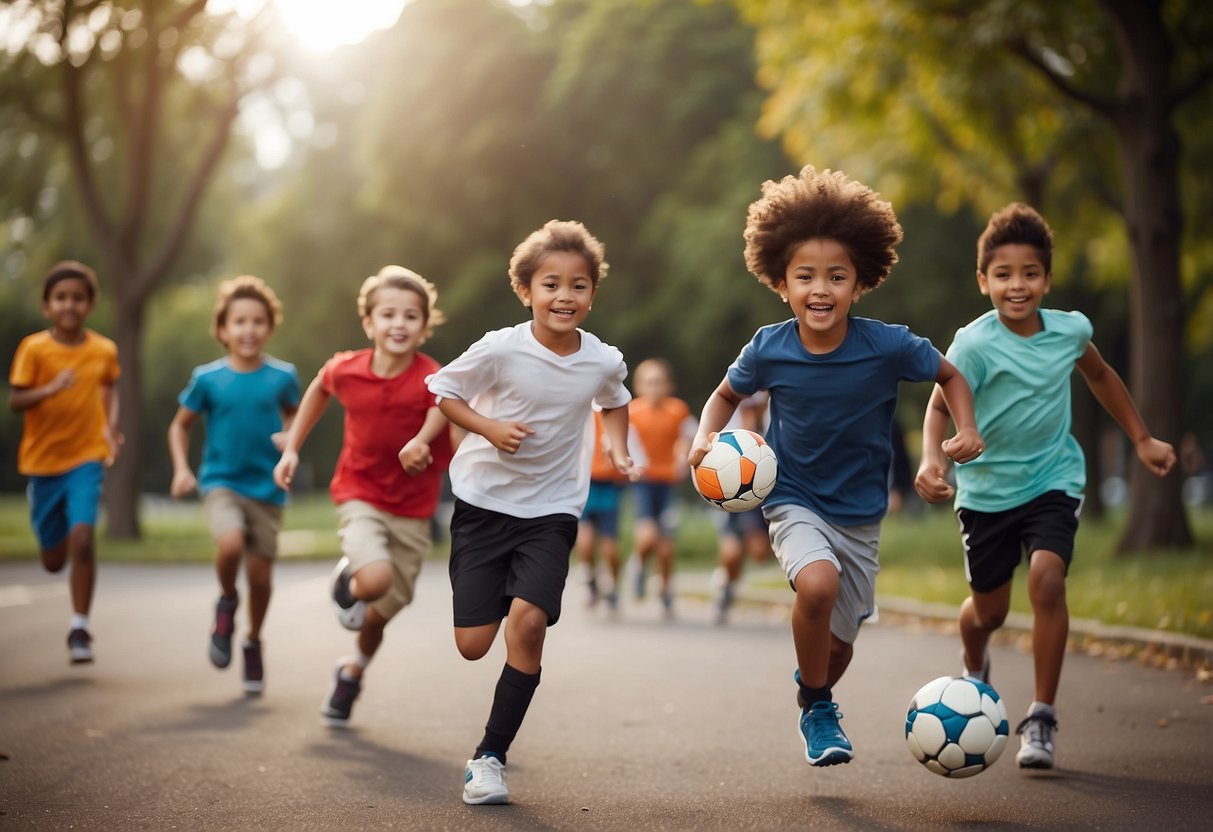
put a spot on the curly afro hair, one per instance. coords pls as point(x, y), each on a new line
point(825, 205)
point(557, 235)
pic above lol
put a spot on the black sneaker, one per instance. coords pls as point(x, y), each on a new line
point(336, 709)
point(80, 646)
point(221, 635)
point(254, 670)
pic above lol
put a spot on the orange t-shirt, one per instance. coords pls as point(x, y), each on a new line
point(659, 427)
point(601, 467)
point(67, 429)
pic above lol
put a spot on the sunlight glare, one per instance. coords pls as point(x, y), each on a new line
point(322, 25)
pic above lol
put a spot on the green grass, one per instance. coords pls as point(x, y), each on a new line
point(920, 558)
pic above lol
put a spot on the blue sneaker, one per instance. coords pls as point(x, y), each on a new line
point(824, 742)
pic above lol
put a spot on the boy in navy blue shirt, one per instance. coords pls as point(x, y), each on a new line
point(245, 398)
point(820, 241)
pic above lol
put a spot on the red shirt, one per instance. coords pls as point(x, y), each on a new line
point(381, 415)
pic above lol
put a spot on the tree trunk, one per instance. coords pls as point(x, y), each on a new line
point(1149, 151)
point(124, 484)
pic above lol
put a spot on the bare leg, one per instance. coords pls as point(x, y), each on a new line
point(1050, 621)
point(82, 551)
point(259, 572)
point(980, 615)
point(369, 639)
point(229, 550)
point(816, 591)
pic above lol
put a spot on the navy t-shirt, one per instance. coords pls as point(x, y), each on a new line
point(832, 414)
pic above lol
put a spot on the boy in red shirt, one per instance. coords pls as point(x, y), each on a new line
point(395, 447)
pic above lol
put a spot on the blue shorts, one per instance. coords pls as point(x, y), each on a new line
point(602, 508)
point(655, 502)
point(59, 503)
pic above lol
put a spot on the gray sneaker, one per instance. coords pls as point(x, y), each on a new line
point(1036, 741)
point(221, 634)
point(80, 646)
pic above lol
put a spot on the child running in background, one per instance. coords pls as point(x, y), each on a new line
point(1024, 494)
point(395, 447)
point(522, 475)
point(62, 380)
point(663, 427)
point(821, 240)
point(598, 530)
point(246, 399)
point(739, 534)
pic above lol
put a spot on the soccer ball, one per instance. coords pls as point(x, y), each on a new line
point(956, 726)
point(738, 472)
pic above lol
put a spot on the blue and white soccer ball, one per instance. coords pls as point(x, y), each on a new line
point(956, 726)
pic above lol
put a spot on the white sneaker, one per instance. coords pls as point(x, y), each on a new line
point(351, 611)
point(484, 782)
point(1036, 741)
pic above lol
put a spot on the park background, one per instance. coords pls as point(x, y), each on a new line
point(175, 143)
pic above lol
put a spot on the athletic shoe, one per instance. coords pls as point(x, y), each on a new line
point(1036, 741)
point(336, 709)
point(254, 670)
point(983, 676)
point(484, 781)
point(612, 601)
point(824, 742)
point(591, 593)
point(351, 612)
point(221, 635)
point(80, 646)
point(667, 604)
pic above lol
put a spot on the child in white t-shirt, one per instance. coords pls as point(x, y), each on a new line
point(522, 475)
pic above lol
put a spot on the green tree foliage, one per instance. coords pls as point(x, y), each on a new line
point(1076, 107)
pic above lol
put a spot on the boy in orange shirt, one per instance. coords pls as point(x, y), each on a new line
point(62, 379)
point(663, 427)
point(598, 529)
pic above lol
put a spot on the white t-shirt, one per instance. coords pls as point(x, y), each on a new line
point(509, 376)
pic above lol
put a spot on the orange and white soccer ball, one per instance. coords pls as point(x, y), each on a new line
point(738, 472)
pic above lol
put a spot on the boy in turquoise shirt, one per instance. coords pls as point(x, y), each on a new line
point(1025, 492)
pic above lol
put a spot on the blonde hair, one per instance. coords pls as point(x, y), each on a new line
point(244, 287)
point(407, 280)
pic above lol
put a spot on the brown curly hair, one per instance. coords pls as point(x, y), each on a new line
point(825, 205)
point(398, 277)
point(244, 287)
point(1015, 224)
point(556, 235)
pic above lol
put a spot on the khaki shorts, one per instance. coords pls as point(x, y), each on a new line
point(369, 534)
point(259, 521)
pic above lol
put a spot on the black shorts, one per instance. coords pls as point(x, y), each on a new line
point(996, 541)
point(496, 558)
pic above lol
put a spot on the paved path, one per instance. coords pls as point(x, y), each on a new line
point(639, 724)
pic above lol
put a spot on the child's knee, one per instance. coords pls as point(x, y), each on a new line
point(230, 545)
point(817, 588)
point(472, 645)
point(54, 558)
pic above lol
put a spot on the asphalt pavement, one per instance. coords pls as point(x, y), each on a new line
point(640, 723)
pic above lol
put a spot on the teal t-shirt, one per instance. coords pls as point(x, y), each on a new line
point(1021, 396)
point(243, 411)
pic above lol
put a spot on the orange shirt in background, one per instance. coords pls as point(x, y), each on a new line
point(658, 427)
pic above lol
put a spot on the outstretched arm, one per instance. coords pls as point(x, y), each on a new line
point(716, 413)
point(415, 456)
point(113, 436)
point(311, 408)
point(1110, 390)
point(504, 436)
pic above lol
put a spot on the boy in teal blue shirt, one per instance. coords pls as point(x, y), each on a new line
point(1025, 492)
point(248, 400)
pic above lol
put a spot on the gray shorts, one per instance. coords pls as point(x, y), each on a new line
point(369, 534)
point(800, 537)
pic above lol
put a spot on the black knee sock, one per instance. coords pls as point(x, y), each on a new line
point(510, 703)
point(806, 695)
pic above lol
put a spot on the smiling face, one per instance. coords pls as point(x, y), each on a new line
point(559, 296)
point(396, 322)
point(245, 329)
point(1017, 281)
point(67, 305)
point(820, 285)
